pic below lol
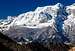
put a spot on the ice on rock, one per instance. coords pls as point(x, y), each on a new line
point(45, 24)
point(69, 24)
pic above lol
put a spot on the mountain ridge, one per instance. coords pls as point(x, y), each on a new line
point(45, 24)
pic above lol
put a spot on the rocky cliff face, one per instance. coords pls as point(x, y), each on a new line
point(49, 24)
point(7, 44)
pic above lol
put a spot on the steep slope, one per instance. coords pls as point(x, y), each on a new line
point(69, 24)
point(49, 24)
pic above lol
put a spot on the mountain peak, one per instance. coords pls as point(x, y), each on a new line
point(43, 24)
point(59, 4)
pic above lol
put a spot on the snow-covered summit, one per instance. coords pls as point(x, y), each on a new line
point(40, 15)
point(46, 24)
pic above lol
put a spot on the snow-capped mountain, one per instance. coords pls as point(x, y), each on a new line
point(53, 23)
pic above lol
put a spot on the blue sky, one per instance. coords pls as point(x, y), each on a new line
point(16, 7)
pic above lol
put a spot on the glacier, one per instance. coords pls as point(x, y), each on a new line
point(53, 23)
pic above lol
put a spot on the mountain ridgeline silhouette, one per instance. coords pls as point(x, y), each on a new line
point(48, 24)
